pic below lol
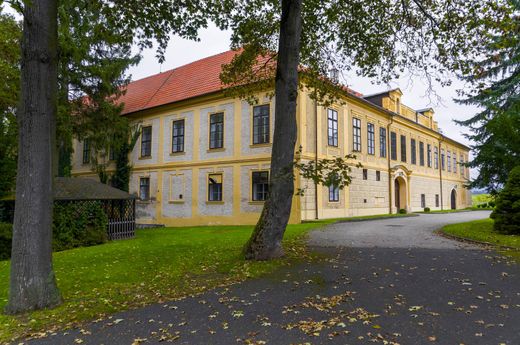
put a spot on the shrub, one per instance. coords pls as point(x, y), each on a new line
point(426, 209)
point(491, 204)
point(402, 211)
point(507, 210)
point(6, 235)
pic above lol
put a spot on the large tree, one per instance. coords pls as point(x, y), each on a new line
point(379, 39)
point(494, 77)
point(32, 284)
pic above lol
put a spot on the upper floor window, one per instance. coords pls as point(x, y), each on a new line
point(382, 142)
point(261, 124)
point(421, 153)
point(403, 148)
point(332, 127)
point(443, 167)
point(454, 162)
point(260, 187)
point(393, 146)
point(356, 134)
point(371, 140)
point(216, 131)
point(144, 188)
point(413, 148)
point(449, 161)
point(146, 141)
point(436, 157)
point(462, 165)
point(333, 193)
point(215, 187)
point(178, 136)
point(429, 156)
point(86, 151)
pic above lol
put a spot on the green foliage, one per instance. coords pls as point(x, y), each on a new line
point(507, 210)
point(10, 33)
point(402, 211)
point(75, 225)
point(482, 230)
point(494, 77)
point(121, 177)
point(427, 209)
point(6, 236)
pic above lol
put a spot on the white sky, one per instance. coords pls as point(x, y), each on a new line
point(214, 41)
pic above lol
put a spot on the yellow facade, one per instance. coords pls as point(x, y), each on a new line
point(179, 191)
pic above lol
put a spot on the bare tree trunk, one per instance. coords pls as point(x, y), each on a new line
point(33, 285)
point(266, 241)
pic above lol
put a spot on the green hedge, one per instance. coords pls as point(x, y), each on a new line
point(74, 226)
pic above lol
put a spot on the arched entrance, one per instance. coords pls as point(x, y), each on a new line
point(453, 199)
point(400, 193)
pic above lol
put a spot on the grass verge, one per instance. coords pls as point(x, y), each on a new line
point(360, 218)
point(158, 265)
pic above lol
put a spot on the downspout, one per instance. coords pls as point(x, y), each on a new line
point(388, 149)
point(440, 169)
point(316, 156)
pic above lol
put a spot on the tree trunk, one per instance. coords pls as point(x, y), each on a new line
point(266, 241)
point(33, 285)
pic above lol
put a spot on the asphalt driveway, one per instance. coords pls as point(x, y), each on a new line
point(375, 284)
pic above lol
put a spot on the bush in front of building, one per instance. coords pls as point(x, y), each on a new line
point(73, 226)
point(402, 211)
point(426, 209)
point(507, 210)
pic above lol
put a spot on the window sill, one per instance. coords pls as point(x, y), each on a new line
point(176, 202)
point(214, 202)
point(180, 153)
point(145, 157)
point(256, 202)
point(144, 202)
point(219, 149)
point(260, 145)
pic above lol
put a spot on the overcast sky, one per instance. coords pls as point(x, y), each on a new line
point(214, 41)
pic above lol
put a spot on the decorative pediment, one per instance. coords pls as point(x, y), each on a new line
point(401, 169)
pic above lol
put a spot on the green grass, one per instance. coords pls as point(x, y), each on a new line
point(482, 230)
point(347, 219)
point(156, 266)
point(481, 198)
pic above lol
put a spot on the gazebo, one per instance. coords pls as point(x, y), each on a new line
point(119, 206)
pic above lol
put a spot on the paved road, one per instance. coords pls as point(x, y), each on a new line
point(406, 232)
point(399, 294)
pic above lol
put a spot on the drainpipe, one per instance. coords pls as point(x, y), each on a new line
point(388, 149)
point(440, 169)
point(316, 156)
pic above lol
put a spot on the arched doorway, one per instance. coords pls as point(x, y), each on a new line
point(400, 193)
point(453, 199)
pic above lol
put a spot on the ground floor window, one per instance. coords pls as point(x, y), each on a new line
point(423, 200)
point(144, 188)
point(215, 187)
point(436, 200)
point(260, 181)
point(378, 175)
point(333, 193)
point(365, 174)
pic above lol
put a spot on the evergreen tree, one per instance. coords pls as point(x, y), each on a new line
point(495, 77)
point(507, 210)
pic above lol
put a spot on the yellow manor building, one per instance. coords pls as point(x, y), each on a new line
point(203, 158)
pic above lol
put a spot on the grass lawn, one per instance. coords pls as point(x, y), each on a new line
point(481, 198)
point(156, 266)
point(360, 218)
point(482, 230)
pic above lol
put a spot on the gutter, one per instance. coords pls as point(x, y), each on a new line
point(388, 160)
point(439, 158)
point(316, 157)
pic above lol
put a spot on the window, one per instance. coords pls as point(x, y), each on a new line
point(371, 140)
point(215, 187)
point(436, 157)
point(378, 175)
point(332, 125)
point(178, 136)
point(261, 124)
point(333, 193)
point(413, 149)
point(429, 156)
point(144, 188)
point(398, 106)
point(356, 135)
point(423, 200)
point(436, 200)
point(449, 161)
point(365, 174)
point(260, 185)
point(216, 131)
point(382, 142)
point(461, 165)
point(393, 146)
point(454, 162)
point(442, 160)
point(403, 148)
point(86, 151)
point(421, 153)
point(146, 141)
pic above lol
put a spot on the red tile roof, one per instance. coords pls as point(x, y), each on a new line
point(197, 78)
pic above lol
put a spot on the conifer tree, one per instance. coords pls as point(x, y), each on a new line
point(507, 210)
